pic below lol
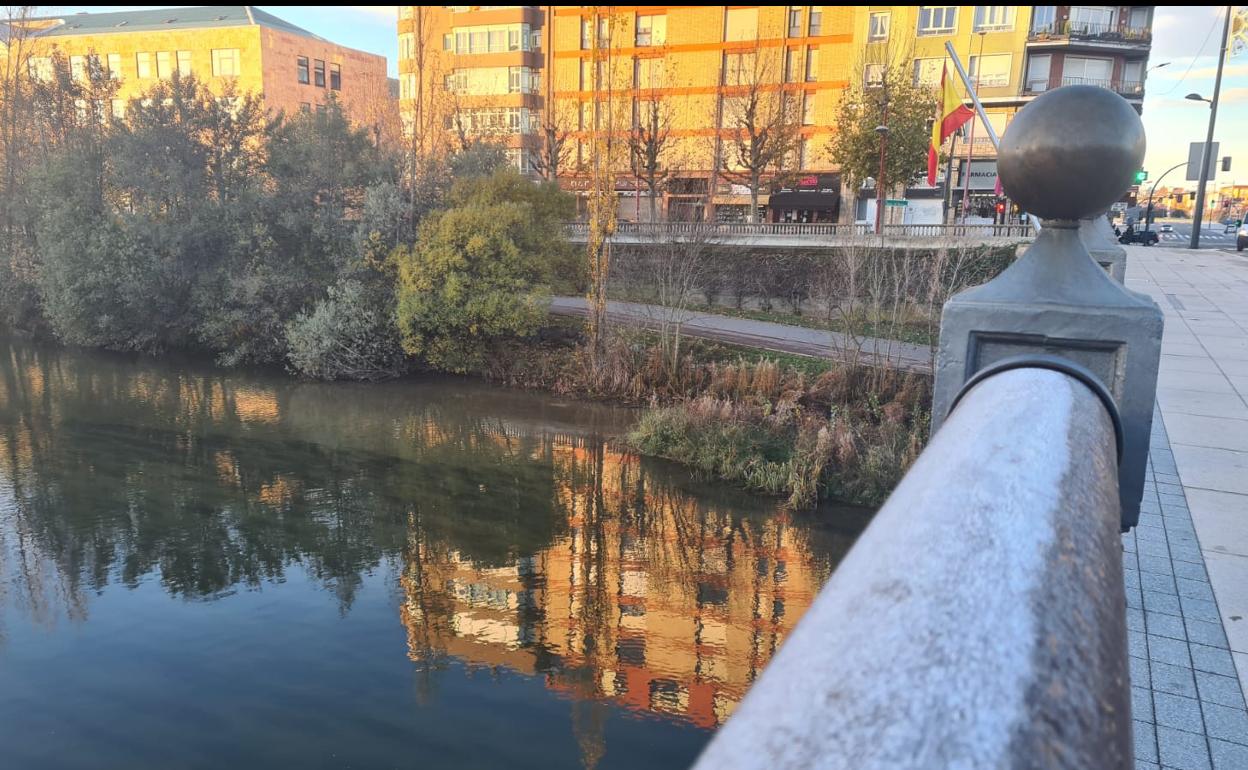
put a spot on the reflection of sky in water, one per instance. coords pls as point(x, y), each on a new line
point(214, 568)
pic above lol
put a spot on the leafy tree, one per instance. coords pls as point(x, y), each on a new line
point(893, 99)
point(480, 271)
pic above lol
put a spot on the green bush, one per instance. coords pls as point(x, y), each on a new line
point(348, 335)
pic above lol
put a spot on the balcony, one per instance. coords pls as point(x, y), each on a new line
point(1090, 32)
point(1130, 89)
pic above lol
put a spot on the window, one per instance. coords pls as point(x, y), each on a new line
point(927, 71)
point(587, 31)
point(1038, 73)
point(792, 65)
point(493, 38)
point(878, 27)
point(305, 106)
point(795, 21)
point(225, 62)
point(808, 110)
point(143, 64)
point(78, 67)
point(40, 68)
point(873, 75)
point(405, 11)
point(164, 65)
point(184, 63)
point(320, 109)
point(937, 19)
point(816, 20)
point(739, 67)
point(1080, 70)
point(741, 24)
point(448, 44)
point(301, 67)
point(318, 73)
point(1092, 19)
point(1133, 71)
point(119, 109)
point(1042, 18)
point(991, 71)
point(114, 66)
point(812, 65)
point(993, 17)
point(651, 30)
point(335, 77)
point(648, 73)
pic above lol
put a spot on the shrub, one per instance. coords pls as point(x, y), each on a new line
point(348, 335)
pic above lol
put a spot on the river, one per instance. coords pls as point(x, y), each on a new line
point(215, 568)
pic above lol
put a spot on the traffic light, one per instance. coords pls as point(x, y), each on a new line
point(1000, 207)
point(1141, 176)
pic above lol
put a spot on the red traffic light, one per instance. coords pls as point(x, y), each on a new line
point(1000, 208)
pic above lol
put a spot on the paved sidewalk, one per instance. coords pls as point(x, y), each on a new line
point(1187, 562)
point(759, 334)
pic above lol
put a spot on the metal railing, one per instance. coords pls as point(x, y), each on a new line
point(647, 230)
point(980, 619)
point(1095, 31)
point(1128, 88)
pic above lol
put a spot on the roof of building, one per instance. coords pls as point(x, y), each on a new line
point(163, 19)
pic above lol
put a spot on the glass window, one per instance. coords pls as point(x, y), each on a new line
point(304, 72)
point(993, 17)
point(792, 65)
point(164, 65)
point(40, 68)
point(184, 63)
point(938, 19)
point(1133, 71)
point(1092, 19)
point(119, 109)
point(648, 73)
point(651, 30)
point(305, 106)
point(808, 110)
point(225, 62)
point(335, 77)
point(114, 66)
point(739, 67)
point(78, 67)
point(492, 38)
point(878, 26)
point(143, 64)
point(991, 71)
point(816, 20)
point(318, 73)
point(1080, 70)
point(741, 24)
point(587, 26)
point(1042, 18)
point(927, 71)
point(795, 21)
point(812, 65)
point(1038, 72)
point(873, 75)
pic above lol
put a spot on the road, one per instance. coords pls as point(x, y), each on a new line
point(1211, 235)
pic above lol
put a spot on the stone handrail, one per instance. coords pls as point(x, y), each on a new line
point(655, 230)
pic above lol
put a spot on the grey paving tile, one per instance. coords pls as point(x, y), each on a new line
point(1195, 589)
point(1182, 750)
point(1154, 533)
point(1145, 741)
point(1139, 668)
point(1189, 553)
point(1131, 578)
point(1134, 599)
point(1222, 690)
point(1165, 625)
point(1155, 601)
point(1177, 712)
point(1228, 756)
point(1151, 581)
point(1165, 650)
point(1154, 520)
point(1225, 723)
point(1175, 680)
point(1135, 620)
point(1212, 660)
point(1149, 548)
point(1206, 633)
point(1142, 704)
point(1200, 609)
point(1157, 565)
point(1137, 646)
point(1189, 571)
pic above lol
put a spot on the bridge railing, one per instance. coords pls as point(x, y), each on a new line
point(657, 230)
point(980, 620)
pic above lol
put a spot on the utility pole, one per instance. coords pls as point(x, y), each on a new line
point(881, 198)
point(1213, 117)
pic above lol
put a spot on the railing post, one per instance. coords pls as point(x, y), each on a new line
point(1066, 156)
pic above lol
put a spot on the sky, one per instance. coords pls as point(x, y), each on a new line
point(1187, 37)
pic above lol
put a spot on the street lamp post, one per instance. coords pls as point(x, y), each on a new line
point(1213, 117)
point(880, 197)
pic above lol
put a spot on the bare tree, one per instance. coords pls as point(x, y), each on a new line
point(678, 267)
point(650, 145)
point(557, 146)
point(760, 124)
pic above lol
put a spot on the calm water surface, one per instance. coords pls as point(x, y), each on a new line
point(218, 569)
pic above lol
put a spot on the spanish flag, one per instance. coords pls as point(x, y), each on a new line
point(953, 113)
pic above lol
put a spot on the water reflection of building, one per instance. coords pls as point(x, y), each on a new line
point(649, 599)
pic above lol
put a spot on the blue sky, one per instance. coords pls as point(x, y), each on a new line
point(1187, 37)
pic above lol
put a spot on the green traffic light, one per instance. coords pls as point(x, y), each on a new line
point(1141, 175)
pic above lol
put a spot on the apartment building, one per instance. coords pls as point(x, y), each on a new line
point(531, 73)
point(291, 68)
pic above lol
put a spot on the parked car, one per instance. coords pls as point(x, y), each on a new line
point(1241, 237)
point(1144, 237)
point(1167, 228)
point(1230, 228)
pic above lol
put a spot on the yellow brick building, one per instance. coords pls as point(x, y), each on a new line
point(548, 66)
point(291, 68)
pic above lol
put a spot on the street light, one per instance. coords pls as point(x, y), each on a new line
point(1158, 66)
point(1198, 98)
point(1207, 155)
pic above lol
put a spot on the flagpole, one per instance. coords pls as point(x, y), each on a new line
point(953, 148)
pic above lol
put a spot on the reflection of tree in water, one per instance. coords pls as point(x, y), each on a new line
point(516, 545)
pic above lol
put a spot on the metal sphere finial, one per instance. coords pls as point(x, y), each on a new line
point(1071, 153)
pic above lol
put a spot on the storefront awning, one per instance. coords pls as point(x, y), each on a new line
point(804, 200)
